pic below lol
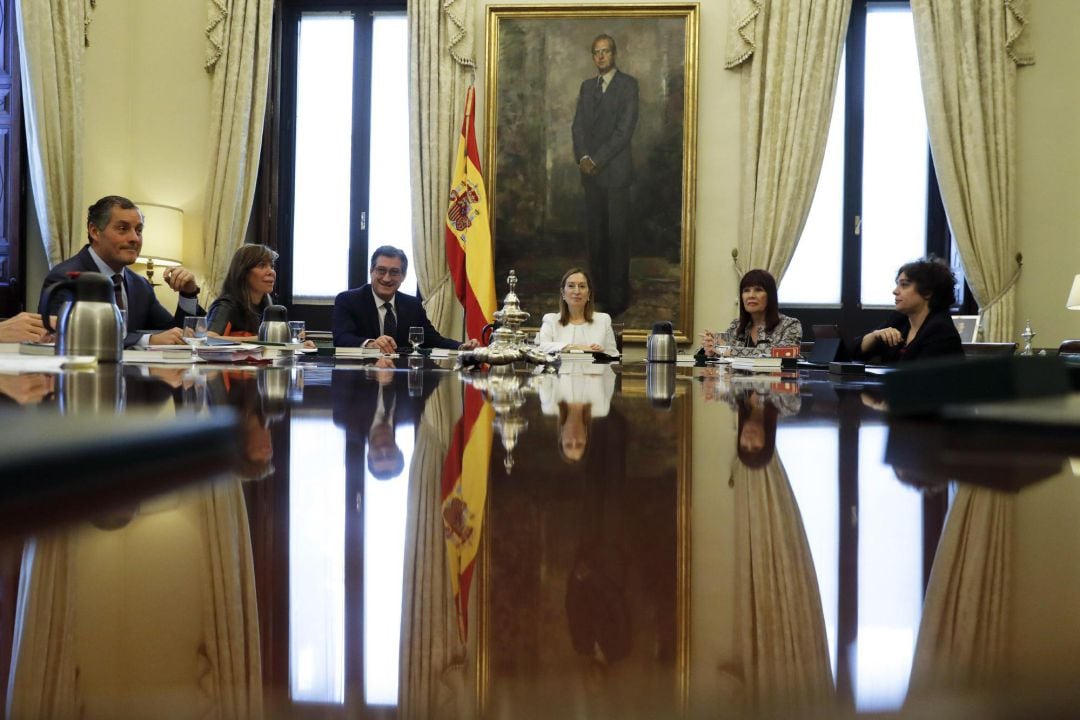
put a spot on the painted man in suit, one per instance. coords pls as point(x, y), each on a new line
point(604, 122)
point(114, 227)
point(377, 315)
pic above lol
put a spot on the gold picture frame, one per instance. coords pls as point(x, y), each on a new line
point(539, 74)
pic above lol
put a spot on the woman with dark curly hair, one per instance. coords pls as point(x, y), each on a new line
point(921, 326)
point(237, 312)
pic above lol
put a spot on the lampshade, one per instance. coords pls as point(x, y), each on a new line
point(1073, 303)
point(163, 234)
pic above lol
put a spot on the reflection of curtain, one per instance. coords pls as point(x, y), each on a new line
point(239, 34)
point(789, 53)
point(432, 657)
point(783, 645)
point(440, 69)
point(968, 54)
point(51, 38)
point(230, 660)
point(963, 636)
point(44, 676)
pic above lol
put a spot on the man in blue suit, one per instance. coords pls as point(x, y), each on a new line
point(604, 122)
point(377, 315)
point(114, 227)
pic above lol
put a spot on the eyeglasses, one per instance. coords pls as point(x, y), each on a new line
point(394, 273)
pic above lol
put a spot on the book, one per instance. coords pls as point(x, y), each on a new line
point(169, 354)
point(757, 364)
point(28, 348)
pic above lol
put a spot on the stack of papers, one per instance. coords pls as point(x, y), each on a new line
point(756, 364)
point(240, 352)
point(15, 363)
point(167, 354)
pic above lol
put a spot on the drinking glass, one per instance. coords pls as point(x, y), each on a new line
point(195, 331)
point(722, 341)
point(296, 331)
point(416, 338)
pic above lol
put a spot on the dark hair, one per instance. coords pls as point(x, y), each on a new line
point(100, 212)
point(756, 458)
point(235, 285)
point(604, 36)
point(764, 279)
point(391, 252)
point(564, 309)
point(933, 279)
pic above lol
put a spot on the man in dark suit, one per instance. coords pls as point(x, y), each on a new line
point(114, 226)
point(377, 315)
point(604, 122)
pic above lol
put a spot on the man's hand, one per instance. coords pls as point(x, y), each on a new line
point(27, 389)
point(469, 344)
point(172, 336)
point(24, 327)
point(386, 344)
point(181, 279)
point(587, 166)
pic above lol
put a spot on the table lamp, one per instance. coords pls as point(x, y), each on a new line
point(1073, 303)
point(163, 237)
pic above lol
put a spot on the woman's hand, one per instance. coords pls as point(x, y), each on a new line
point(708, 343)
point(890, 336)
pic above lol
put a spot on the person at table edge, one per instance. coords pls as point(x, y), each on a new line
point(360, 315)
point(114, 227)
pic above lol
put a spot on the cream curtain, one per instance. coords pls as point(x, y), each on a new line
point(432, 658)
point(441, 67)
point(789, 54)
point(782, 641)
point(968, 54)
point(964, 634)
point(43, 682)
point(52, 34)
point(230, 660)
point(239, 60)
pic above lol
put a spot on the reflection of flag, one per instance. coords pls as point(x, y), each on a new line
point(468, 232)
point(464, 491)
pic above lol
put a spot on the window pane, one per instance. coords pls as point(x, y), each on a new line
point(316, 561)
point(390, 196)
point(813, 276)
point(894, 154)
point(323, 151)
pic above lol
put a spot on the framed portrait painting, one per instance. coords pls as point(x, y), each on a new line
point(591, 115)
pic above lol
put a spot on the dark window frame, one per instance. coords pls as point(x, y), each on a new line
point(274, 213)
point(852, 318)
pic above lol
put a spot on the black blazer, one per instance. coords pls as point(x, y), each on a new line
point(144, 310)
point(356, 320)
point(936, 338)
point(603, 127)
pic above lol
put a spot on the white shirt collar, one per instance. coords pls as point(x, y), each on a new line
point(102, 267)
point(379, 301)
point(607, 77)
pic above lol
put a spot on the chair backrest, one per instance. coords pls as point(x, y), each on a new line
point(1069, 347)
point(617, 329)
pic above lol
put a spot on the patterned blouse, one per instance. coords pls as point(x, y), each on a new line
point(787, 332)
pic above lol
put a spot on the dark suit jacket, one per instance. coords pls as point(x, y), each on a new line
point(356, 320)
point(603, 126)
point(937, 337)
point(144, 310)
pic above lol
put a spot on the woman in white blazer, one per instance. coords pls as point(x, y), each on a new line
point(577, 326)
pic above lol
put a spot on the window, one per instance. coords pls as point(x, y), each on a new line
point(877, 204)
point(344, 148)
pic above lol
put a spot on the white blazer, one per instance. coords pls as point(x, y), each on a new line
point(554, 337)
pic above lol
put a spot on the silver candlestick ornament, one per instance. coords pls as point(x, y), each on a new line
point(1028, 334)
point(508, 343)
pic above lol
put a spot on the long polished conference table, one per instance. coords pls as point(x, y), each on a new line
point(393, 537)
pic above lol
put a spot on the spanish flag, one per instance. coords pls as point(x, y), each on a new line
point(464, 493)
point(468, 231)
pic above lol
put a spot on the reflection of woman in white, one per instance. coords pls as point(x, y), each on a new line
point(577, 326)
point(577, 395)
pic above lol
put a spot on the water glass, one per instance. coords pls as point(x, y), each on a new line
point(722, 344)
point(416, 337)
point(195, 331)
point(296, 331)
